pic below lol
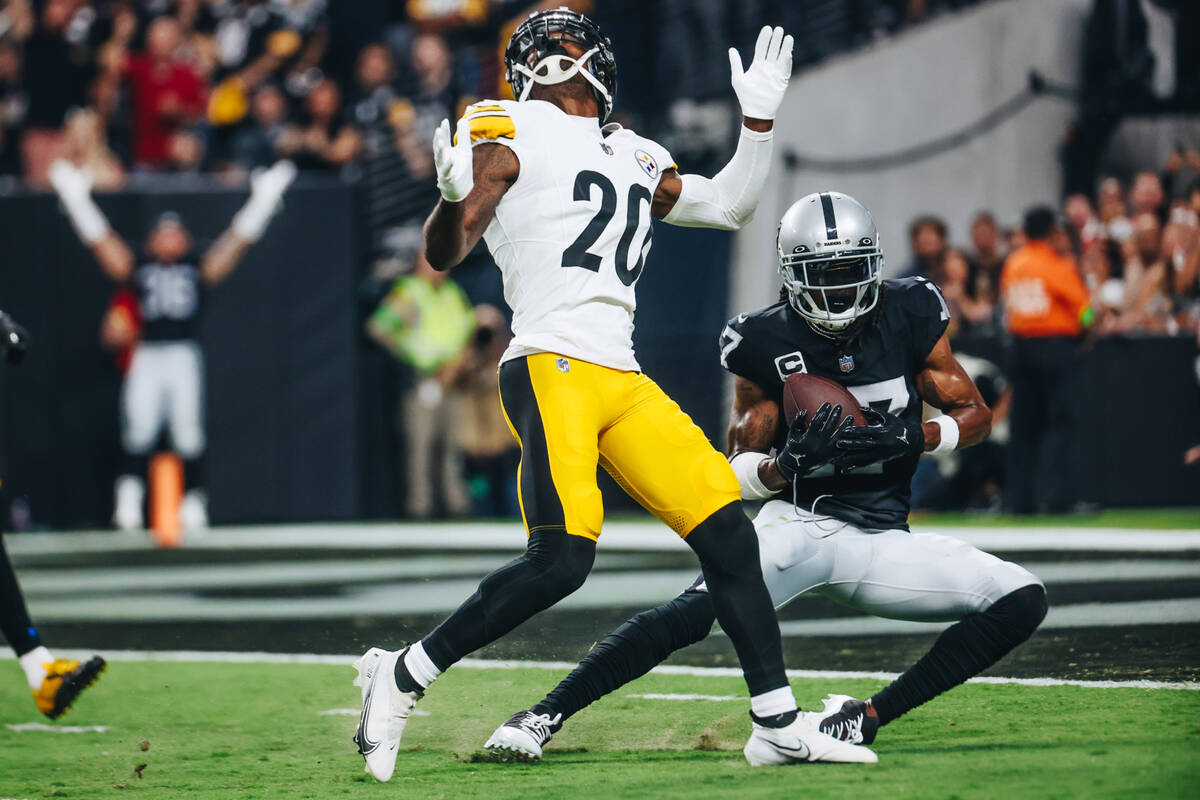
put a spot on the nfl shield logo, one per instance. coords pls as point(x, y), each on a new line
point(846, 363)
point(564, 365)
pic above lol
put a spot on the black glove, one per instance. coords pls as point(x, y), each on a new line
point(883, 438)
point(811, 446)
point(14, 339)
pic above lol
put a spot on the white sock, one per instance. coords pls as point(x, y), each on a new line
point(776, 701)
point(420, 665)
point(32, 663)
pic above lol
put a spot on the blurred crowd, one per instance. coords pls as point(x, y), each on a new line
point(1136, 246)
point(1129, 262)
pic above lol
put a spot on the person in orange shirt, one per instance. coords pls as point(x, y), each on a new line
point(1047, 307)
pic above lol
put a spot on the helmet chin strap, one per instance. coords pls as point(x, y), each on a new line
point(556, 72)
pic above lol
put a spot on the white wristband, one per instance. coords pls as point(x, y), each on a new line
point(745, 467)
point(949, 439)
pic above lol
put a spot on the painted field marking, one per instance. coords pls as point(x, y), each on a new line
point(508, 536)
point(221, 657)
point(42, 727)
point(354, 712)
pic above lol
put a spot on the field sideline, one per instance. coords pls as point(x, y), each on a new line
point(268, 728)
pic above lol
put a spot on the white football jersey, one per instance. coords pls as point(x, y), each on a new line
point(571, 234)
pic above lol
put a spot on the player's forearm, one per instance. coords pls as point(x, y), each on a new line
point(974, 423)
point(727, 201)
point(223, 256)
point(446, 235)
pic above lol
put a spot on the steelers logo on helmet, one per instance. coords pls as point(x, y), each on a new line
point(830, 262)
point(536, 55)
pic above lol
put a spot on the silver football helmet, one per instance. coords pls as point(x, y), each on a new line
point(830, 260)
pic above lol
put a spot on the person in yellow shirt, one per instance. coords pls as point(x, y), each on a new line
point(1047, 308)
point(426, 322)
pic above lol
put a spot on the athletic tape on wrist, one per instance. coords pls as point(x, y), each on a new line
point(949, 428)
point(745, 467)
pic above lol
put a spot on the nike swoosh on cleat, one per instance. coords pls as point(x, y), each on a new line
point(802, 750)
point(365, 745)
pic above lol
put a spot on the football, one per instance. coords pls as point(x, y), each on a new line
point(802, 390)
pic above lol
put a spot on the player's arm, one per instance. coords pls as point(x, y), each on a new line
point(249, 224)
point(728, 199)
point(471, 181)
point(945, 385)
point(754, 423)
point(75, 192)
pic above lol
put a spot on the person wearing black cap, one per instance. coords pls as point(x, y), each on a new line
point(1046, 308)
point(164, 384)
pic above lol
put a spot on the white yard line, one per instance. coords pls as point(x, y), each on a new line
point(134, 580)
point(221, 657)
point(508, 536)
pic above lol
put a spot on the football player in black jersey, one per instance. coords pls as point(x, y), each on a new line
point(164, 384)
point(54, 682)
point(835, 516)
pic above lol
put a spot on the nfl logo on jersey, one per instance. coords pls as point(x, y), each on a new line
point(846, 363)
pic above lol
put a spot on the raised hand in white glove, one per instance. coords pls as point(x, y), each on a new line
point(455, 168)
point(68, 180)
point(760, 89)
point(266, 190)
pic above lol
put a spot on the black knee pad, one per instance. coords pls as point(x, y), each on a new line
point(1021, 611)
point(726, 541)
point(563, 560)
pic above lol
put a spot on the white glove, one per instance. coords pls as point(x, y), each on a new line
point(68, 180)
point(266, 190)
point(455, 168)
point(760, 89)
point(74, 188)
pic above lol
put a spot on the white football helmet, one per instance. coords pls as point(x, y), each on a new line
point(830, 260)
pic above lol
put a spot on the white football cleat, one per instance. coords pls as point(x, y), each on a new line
point(800, 743)
point(522, 737)
point(193, 511)
point(127, 511)
point(846, 718)
point(385, 711)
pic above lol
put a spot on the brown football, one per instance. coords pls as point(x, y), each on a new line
point(802, 390)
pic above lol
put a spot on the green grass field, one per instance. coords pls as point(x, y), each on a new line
point(1135, 518)
point(256, 731)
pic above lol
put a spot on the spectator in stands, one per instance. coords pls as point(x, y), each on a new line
point(1047, 307)
point(1147, 195)
point(59, 63)
point(1147, 277)
point(87, 148)
point(490, 452)
point(1111, 204)
point(927, 238)
point(426, 322)
point(1084, 226)
point(168, 96)
point(983, 280)
point(968, 316)
point(325, 141)
point(433, 92)
point(1103, 269)
point(253, 145)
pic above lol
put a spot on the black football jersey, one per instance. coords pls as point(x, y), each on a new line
point(169, 297)
point(876, 365)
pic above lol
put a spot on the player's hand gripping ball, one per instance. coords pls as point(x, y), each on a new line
point(760, 88)
point(452, 159)
point(811, 445)
point(883, 438)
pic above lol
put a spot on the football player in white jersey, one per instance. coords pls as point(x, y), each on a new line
point(564, 203)
point(165, 383)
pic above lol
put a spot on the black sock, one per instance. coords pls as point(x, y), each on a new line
point(728, 551)
point(631, 651)
point(965, 649)
point(134, 464)
point(553, 565)
point(194, 472)
point(14, 618)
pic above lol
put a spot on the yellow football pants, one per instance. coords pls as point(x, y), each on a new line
point(570, 415)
